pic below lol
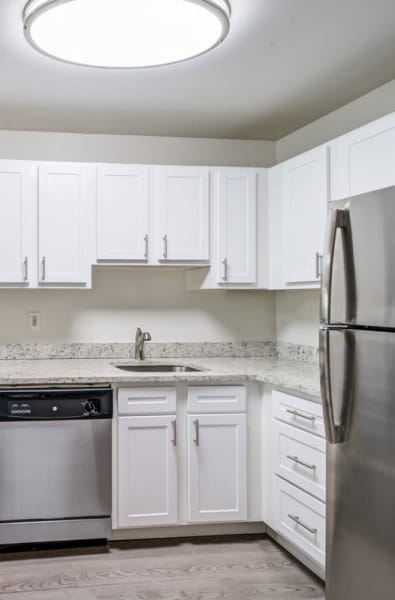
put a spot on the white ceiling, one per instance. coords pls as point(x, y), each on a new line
point(284, 64)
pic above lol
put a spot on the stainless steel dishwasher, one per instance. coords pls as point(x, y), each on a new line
point(55, 464)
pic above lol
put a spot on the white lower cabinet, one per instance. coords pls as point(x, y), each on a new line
point(199, 458)
point(217, 468)
point(297, 476)
point(147, 471)
point(300, 518)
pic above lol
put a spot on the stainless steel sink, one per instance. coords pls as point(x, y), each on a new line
point(147, 368)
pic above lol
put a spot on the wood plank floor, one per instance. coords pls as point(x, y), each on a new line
point(237, 568)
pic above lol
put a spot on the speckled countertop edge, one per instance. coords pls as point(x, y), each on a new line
point(292, 375)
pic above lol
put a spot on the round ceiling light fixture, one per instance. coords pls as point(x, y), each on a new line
point(125, 33)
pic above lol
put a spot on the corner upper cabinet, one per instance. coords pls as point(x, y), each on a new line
point(18, 187)
point(236, 226)
point(305, 187)
point(182, 214)
point(123, 210)
point(63, 234)
point(363, 160)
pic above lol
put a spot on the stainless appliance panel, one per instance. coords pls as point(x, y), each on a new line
point(361, 469)
point(370, 238)
point(55, 470)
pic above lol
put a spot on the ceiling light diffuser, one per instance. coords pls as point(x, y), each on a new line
point(125, 33)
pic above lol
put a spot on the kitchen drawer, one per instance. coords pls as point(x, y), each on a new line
point(299, 457)
point(298, 412)
point(147, 400)
point(300, 518)
point(216, 399)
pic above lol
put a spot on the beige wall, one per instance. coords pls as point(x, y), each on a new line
point(124, 298)
point(369, 107)
point(297, 316)
point(36, 145)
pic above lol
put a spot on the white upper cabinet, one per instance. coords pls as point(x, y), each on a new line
point(182, 213)
point(364, 160)
point(305, 204)
point(123, 198)
point(17, 222)
point(236, 226)
point(63, 237)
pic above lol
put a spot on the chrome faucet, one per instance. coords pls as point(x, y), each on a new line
point(141, 337)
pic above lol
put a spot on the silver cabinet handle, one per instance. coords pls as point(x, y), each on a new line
point(197, 433)
point(300, 462)
point(296, 413)
point(225, 275)
point(174, 425)
point(26, 269)
point(146, 245)
point(43, 265)
point(297, 520)
point(318, 259)
point(165, 246)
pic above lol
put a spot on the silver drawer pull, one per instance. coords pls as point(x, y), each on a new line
point(174, 425)
point(296, 413)
point(146, 245)
point(197, 433)
point(297, 520)
point(300, 462)
point(318, 263)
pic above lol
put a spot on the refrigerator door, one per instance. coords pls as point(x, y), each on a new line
point(359, 261)
point(361, 469)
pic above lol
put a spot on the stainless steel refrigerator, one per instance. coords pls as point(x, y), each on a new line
point(357, 362)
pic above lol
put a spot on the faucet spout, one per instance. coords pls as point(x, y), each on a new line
point(141, 337)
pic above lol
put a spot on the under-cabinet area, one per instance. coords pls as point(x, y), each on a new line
point(235, 455)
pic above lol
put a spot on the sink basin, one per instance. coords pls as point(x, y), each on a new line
point(157, 368)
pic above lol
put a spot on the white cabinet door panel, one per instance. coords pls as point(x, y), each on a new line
point(17, 209)
point(237, 223)
point(364, 159)
point(122, 212)
point(147, 471)
point(182, 205)
point(63, 236)
point(217, 468)
point(306, 197)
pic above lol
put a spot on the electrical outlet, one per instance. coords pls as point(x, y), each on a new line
point(34, 321)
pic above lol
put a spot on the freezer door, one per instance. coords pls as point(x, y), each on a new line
point(361, 469)
point(363, 261)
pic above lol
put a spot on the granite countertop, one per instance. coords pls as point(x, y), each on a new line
point(292, 375)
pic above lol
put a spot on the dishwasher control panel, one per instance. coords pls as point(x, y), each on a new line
point(55, 404)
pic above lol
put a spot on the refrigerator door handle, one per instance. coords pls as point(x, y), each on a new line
point(337, 219)
point(326, 389)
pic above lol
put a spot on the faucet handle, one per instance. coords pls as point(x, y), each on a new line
point(147, 336)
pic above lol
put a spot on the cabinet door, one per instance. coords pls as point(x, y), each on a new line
point(147, 471)
point(364, 160)
point(217, 468)
point(236, 226)
point(63, 236)
point(306, 197)
point(182, 206)
point(17, 198)
point(122, 212)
